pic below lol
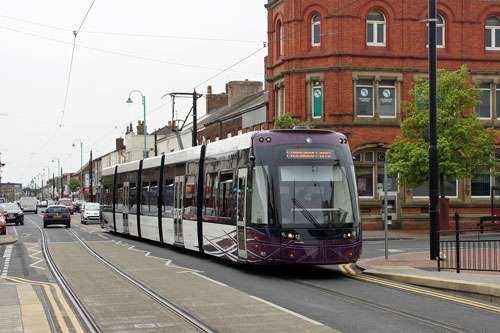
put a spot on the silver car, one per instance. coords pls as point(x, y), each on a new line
point(91, 212)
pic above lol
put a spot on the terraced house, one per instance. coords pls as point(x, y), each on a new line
point(348, 66)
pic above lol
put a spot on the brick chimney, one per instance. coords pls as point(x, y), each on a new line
point(120, 143)
point(215, 101)
point(140, 127)
point(239, 90)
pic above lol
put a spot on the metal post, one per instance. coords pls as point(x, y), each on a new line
point(81, 169)
point(90, 178)
point(195, 130)
point(61, 184)
point(433, 148)
point(457, 239)
point(144, 105)
point(385, 211)
point(156, 143)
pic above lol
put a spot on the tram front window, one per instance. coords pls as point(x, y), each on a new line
point(316, 195)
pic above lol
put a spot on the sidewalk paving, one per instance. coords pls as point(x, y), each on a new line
point(417, 269)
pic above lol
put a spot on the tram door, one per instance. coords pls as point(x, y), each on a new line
point(126, 191)
point(241, 212)
point(178, 193)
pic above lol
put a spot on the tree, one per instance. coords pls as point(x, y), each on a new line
point(73, 184)
point(285, 121)
point(466, 147)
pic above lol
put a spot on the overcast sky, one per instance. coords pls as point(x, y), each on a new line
point(153, 46)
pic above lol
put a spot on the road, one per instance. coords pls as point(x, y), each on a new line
point(231, 297)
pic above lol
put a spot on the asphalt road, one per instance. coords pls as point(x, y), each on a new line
point(321, 293)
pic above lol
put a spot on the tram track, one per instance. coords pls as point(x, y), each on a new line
point(190, 319)
point(385, 308)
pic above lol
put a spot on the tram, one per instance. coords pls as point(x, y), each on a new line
point(278, 196)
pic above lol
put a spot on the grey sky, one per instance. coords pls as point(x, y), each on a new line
point(149, 45)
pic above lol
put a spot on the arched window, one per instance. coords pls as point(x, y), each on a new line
point(439, 32)
point(316, 31)
point(375, 29)
point(281, 38)
point(492, 33)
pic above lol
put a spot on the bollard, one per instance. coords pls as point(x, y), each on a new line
point(457, 240)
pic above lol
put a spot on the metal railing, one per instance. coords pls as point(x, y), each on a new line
point(474, 251)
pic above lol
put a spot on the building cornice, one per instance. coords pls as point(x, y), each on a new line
point(272, 4)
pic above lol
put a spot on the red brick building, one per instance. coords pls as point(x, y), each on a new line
point(348, 66)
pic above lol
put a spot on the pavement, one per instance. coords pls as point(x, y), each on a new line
point(413, 268)
point(417, 269)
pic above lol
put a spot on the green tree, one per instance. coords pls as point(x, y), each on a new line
point(285, 121)
point(466, 147)
point(74, 184)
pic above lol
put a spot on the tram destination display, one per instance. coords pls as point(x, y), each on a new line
point(299, 154)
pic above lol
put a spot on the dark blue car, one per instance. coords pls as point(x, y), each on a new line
point(57, 215)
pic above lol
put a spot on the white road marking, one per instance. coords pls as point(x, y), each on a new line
point(6, 255)
point(209, 279)
point(35, 249)
point(317, 323)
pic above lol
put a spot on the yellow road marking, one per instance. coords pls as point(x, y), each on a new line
point(456, 299)
point(32, 314)
point(47, 286)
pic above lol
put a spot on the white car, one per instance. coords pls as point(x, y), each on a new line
point(91, 212)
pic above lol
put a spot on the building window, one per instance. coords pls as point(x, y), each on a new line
point(481, 186)
point(279, 92)
point(387, 98)
point(281, 39)
point(316, 31)
point(484, 109)
point(492, 34)
point(364, 98)
point(439, 32)
point(317, 97)
point(364, 177)
point(375, 29)
point(369, 167)
point(450, 189)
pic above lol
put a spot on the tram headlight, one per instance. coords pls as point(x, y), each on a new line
point(297, 237)
point(291, 235)
point(309, 139)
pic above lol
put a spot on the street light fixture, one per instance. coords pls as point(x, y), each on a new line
point(129, 100)
point(81, 165)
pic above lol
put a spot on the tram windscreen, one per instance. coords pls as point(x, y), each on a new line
point(316, 195)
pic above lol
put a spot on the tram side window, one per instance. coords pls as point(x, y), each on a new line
point(190, 199)
point(119, 198)
point(132, 198)
point(168, 198)
point(153, 197)
point(144, 197)
point(226, 195)
point(260, 195)
point(211, 192)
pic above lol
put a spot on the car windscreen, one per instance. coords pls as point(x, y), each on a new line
point(92, 206)
point(57, 210)
point(10, 206)
point(65, 202)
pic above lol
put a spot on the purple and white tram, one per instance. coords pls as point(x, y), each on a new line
point(286, 196)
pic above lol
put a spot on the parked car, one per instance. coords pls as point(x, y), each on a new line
point(79, 205)
point(68, 203)
point(57, 215)
point(29, 204)
point(91, 212)
point(2, 200)
point(12, 213)
point(3, 223)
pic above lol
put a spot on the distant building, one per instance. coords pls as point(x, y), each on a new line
point(11, 191)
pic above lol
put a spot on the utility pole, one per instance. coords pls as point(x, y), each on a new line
point(90, 178)
point(195, 121)
point(1, 166)
point(433, 147)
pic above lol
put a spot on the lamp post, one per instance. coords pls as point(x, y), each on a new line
point(59, 171)
point(129, 100)
point(81, 165)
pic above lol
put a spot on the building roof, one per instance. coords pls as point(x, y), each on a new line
point(245, 105)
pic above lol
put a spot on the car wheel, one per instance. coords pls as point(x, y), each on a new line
point(36, 211)
point(45, 225)
point(17, 223)
point(68, 225)
point(22, 223)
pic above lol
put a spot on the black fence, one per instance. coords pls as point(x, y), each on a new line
point(471, 249)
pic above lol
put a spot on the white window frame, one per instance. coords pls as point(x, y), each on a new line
point(491, 101)
point(379, 86)
point(493, 29)
point(497, 100)
point(438, 25)
point(375, 30)
point(313, 25)
point(281, 39)
point(447, 196)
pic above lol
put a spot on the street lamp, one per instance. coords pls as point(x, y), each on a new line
point(59, 172)
point(81, 165)
point(129, 100)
